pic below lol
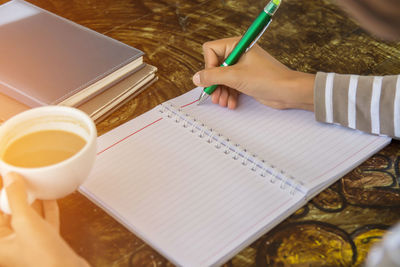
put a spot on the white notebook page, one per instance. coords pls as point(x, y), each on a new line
point(189, 200)
point(197, 205)
point(310, 151)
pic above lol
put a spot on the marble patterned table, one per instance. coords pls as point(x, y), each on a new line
point(337, 227)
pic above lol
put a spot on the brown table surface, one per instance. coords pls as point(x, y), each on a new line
point(336, 228)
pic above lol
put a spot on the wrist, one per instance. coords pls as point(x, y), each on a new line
point(302, 85)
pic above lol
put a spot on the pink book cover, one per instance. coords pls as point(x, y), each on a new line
point(44, 59)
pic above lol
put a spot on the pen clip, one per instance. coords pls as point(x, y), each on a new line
point(258, 37)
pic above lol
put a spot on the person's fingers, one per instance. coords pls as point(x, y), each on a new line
point(38, 207)
point(5, 228)
point(51, 213)
point(211, 58)
point(223, 98)
point(7, 251)
point(215, 95)
point(5, 231)
point(216, 51)
point(4, 219)
point(219, 75)
point(233, 98)
point(16, 193)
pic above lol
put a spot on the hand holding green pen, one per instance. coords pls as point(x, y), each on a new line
point(251, 36)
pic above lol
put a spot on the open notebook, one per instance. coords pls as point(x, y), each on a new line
point(200, 183)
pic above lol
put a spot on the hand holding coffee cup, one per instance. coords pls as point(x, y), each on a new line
point(52, 147)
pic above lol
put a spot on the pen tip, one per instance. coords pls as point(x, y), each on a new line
point(202, 98)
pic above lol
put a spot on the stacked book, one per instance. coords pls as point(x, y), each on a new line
point(49, 60)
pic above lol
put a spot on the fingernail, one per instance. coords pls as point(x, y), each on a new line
point(196, 79)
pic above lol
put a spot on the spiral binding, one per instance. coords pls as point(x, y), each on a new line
point(251, 161)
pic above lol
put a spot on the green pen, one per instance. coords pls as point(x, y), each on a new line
point(250, 37)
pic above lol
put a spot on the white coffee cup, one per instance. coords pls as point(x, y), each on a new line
point(59, 179)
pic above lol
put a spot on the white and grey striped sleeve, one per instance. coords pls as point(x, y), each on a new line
point(367, 103)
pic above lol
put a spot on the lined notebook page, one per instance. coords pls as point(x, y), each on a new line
point(183, 196)
point(314, 153)
point(197, 205)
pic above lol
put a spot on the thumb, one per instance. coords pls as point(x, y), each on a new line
point(16, 193)
point(218, 75)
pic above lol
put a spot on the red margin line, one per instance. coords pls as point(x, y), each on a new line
point(346, 159)
point(140, 130)
point(189, 104)
point(128, 136)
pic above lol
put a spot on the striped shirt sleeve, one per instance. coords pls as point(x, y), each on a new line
point(367, 103)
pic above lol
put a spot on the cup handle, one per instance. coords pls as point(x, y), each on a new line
point(4, 205)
